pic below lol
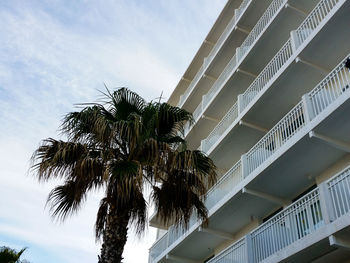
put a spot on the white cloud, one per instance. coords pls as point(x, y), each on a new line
point(57, 53)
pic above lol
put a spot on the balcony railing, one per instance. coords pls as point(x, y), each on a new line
point(175, 232)
point(321, 10)
point(333, 86)
point(293, 223)
point(196, 78)
point(339, 188)
point(267, 74)
point(158, 247)
point(249, 41)
point(326, 93)
point(224, 185)
point(221, 80)
point(276, 137)
point(235, 253)
point(228, 29)
point(317, 100)
point(272, 69)
point(260, 26)
point(219, 129)
point(238, 12)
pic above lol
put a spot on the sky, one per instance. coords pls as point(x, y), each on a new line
point(56, 53)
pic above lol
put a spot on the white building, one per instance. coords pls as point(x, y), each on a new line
point(269, 90)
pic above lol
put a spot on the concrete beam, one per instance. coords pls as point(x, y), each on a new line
point(209, 43)
point(209, 77)
point(339, 144)
point(180, 259)
point(243, 30)
point(298, 10)
point(247, 73)
point(210, 118)
point(187, 80)
point(313, 65)
point(253, 126)
point(339, 241)
point(217, 233)
point(268, 197)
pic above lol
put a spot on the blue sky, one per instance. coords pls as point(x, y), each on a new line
point(54, 54)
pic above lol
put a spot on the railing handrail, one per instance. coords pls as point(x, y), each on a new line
point(329, 4)
point(261, 24)
point(268, 72)
point(335, 177)
point(267, 136)
point(337, 74)
point(214, 50)
point(283, 212)
point(233, 110)
point(237, 244)
point(224, 177)
point(223, 75)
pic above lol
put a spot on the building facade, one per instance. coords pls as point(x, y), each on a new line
point(269, 91)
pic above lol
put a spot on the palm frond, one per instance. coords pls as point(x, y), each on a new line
point(56, 158)
point(101, 219)
point(124, 102)
point(66, 199)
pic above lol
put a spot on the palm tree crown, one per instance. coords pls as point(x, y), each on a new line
point(124, 145)
point(9, 255)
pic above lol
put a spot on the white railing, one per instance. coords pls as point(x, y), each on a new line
point(215, 194)
point(175, 232)
point(158, 247)
point(260, 26)
point(276, 137)
point(240, 10)
point(228, 29)
point(196, 78)
point(302, 217)
point(298, 220)
point(224, 185)
point(220, 128)
point(225, 74)
point(267, 74)
point(235, 253)
point(334, 85)
point(339, 188)
point(293, 223)
point(197, 112)
point(321, 10)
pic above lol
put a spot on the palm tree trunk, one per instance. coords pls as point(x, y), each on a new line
point(114, 238)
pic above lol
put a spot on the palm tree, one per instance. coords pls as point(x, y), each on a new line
point(9, 255)
point(125, 146)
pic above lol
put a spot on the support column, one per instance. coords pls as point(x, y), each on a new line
point(244, 165)
point(202, 145)
point(308, 109)
point(294, 40)
point(240, 103)
point(326, 203)
point(249, 248)
point(238, 54)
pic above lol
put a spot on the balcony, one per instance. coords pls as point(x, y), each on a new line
point(233, 35)
point(257, 105)
point(317, 217)
point(269, 34)
point(261, 168)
